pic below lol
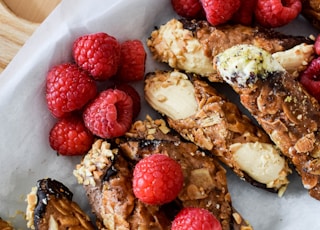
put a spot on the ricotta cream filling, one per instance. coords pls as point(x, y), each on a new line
point(174, 98)
point(261, 161)
point(244, 64)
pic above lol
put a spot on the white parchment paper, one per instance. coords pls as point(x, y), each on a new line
point(25, 155)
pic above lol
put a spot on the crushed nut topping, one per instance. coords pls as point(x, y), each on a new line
point(98, 158)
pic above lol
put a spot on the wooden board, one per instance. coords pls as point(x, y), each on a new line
point(15, 30)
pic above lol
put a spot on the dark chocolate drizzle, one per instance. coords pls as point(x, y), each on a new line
point(148, 143)
point(46, 188)
point(110, 172)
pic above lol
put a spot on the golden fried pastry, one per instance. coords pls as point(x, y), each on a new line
point(106, 174)
point(282, 107)
point(50, 206)
point(191, 45)
point(200, 114)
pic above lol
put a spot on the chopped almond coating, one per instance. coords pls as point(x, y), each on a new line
point(283, 108)
point(192, 45)
point(94, 163)
point(218, 126)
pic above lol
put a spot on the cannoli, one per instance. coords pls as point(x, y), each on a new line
point(107, 178)
point(50, 206)
point(281, 106)
point(191, 45)
point(200, 114)
point(106, 174)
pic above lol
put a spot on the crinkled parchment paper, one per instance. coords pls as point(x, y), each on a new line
point(25, 155)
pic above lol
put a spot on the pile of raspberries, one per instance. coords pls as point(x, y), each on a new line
point(267, 13)
point(74, 96)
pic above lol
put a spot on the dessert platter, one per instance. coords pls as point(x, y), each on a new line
point(25, 152)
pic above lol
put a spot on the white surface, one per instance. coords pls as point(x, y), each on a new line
point(25, 154)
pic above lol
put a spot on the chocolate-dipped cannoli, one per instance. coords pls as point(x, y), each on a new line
point(107, 179)
point(50, 206)
point(280, 104)
point(191, 45)
point(106, 175)
point(200, 114)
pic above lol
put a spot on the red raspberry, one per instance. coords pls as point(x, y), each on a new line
point(219, 11)
point(99, 54)
point(110, 114)
point(245, 13)
point(188, 8)
point(157, 179)
point(195, 219)
point(69, 136)
point(132, 61)
point(136, 100)
point(310, 78)
point(68, 88)
point(276, 13)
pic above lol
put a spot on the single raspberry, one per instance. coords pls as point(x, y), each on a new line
point(99, 54)
point(109, 114)
point(132, 61)
point(157, 179)
point(69, 136)
point(68, 88)
point(195, 219)
point(310, 78)
point(191, 9)
point(132, 92)
point(219, 11)
point(276, 13)
point(245, 13)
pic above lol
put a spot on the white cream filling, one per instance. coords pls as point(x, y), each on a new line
point(261, 161)
point(243, 64)
point(173, 97)
point(295, 59)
